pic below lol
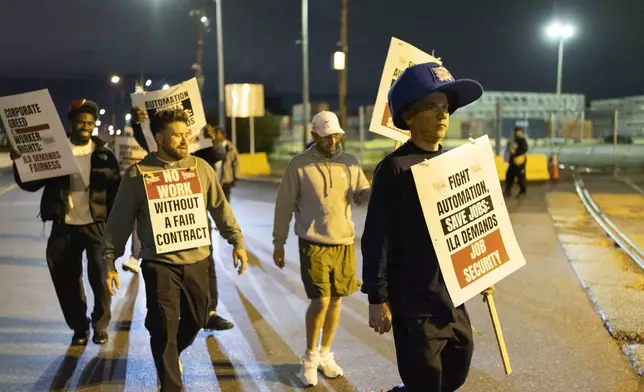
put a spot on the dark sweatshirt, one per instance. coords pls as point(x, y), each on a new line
point(399, 262)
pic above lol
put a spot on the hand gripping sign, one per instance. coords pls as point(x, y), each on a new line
point(401, 55)
point(468, 222)
point(177, 210)
point(184, 96)
point(35, 130)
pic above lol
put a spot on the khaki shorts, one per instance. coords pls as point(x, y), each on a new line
point(328, 270)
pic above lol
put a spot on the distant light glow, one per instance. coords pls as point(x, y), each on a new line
point(115, 79)
point(339, 60)
point(166, 86)
point(101, 112)
point(118, 132)
point(98, 123)
point(128, 117)
point(148, 83)
point(560, 30)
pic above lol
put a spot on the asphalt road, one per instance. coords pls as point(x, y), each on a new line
point(554, 337)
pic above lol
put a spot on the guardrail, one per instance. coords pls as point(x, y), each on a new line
point(620, 239)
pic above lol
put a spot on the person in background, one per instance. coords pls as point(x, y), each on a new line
point(228, 168)
point(318, 186)
point(516, 163)
point(213, 155)
point(79, 205)
point(132, 263)
point(401, 274)
point(176, 282)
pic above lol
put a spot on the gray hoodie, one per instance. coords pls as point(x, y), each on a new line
point(131, 203)
point(320, 191)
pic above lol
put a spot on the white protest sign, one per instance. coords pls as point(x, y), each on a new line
point(35, 130)
point(127, 151)
point(401, 55)
point(177, 210)
point(467, 219)
point(183, 96)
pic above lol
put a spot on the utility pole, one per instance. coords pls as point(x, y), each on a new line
point(220, 66)
point(305, 71)
point(202, 23)
point(342, 74)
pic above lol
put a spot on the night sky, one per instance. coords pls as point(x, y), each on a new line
point(73, 46)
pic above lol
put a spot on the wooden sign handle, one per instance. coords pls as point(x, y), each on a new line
point(489, 299)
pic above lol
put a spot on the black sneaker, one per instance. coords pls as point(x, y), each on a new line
point(80, 338)
point(218, 323)
point(100, 337)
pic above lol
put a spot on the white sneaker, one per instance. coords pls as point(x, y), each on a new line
point(132, 265)
point(329, 367)
point(309, 373)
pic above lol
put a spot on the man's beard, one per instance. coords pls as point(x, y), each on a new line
point(79, 139)
point(175, 153)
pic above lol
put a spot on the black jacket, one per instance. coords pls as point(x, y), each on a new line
point(104, 183)
point(399, 262)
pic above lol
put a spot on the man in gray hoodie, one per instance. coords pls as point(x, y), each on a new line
point(319, 186)
point(168, 194)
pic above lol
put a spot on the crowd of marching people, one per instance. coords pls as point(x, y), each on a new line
point(97, 211)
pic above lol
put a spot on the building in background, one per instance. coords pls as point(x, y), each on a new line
point(630, 116)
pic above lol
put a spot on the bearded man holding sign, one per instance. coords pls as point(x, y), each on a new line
point(401, 273)
point(168, 193)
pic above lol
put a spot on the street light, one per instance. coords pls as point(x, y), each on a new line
point(148, 83)
point(128, 117)
point(115, 79)
point(118, 132)
point(166, 86)
point(204, 19)
point(98, 123)
point(559, 31)
point(338, 60)
point(110, 128)
point(101, 112)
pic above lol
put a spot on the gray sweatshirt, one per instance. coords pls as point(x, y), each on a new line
point(131, 203)
point(320, 191)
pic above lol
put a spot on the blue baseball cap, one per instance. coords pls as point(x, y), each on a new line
point(420, 80)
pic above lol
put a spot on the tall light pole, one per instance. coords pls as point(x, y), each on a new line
point(344, 5)
point(306, 115)
point(561, 32)
point(115, 81)
point(202, 24)
point(220, 65)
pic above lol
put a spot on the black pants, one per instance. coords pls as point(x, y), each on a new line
point(227, 188)
point(513, 172)
point(433, 357)
point(65, 261)
point(212, 280)
point(177, 300)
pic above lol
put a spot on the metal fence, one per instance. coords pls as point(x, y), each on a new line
point(598, 139)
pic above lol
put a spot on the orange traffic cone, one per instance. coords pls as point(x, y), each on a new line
point(554, 168)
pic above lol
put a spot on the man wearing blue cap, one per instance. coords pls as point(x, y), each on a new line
point(401, 273)
point(79, 205)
